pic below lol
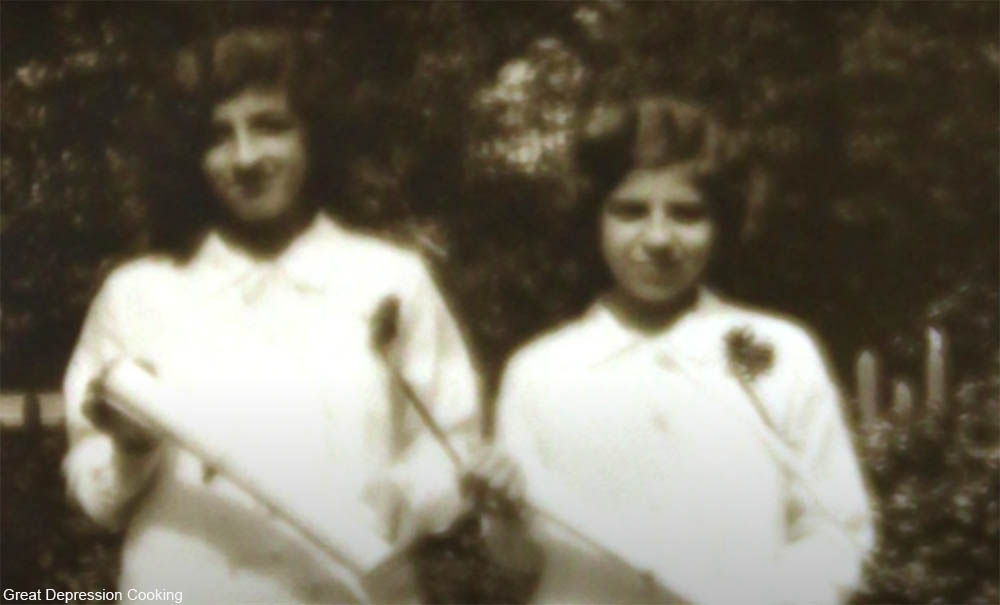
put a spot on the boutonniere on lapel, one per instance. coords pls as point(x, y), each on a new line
point(384, 324)
point(384, 330)
point(749, 358)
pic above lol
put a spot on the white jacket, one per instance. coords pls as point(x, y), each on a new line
point(651, 446)
point(275, 358)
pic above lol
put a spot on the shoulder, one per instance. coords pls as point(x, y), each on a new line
point(139, 279)
point(134, 295)
point(335, 253)
point(383, 252)
point(566, 345)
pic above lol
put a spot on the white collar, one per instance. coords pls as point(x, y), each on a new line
point(620, 338)
point(229, 262)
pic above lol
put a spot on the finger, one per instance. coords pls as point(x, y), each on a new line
point(500, 476)
point(406, 527)
point(437, 505)
point(516, 488)
point(510, 483)
point(439, 515)
point(495, 462)
point(500, 468)
point(480, 461)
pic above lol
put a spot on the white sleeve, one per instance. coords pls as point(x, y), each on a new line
point(432, 357)
point(435, 361)
point(830, 531)
point(513, 431)
point(521, 435)
point(101, 476)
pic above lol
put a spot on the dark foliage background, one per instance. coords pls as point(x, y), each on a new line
point(873, 134)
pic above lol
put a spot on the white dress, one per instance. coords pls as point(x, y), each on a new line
point(652, 448)
point(276, 358)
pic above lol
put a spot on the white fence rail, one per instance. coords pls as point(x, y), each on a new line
point(29, 409)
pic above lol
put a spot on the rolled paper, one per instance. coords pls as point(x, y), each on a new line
point(867, 377)
point(610, 578)
point(935, 371)
point(902, 401)
point(134, 392)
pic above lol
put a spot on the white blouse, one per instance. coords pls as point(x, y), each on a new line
point(276, 360)
point(649, 445)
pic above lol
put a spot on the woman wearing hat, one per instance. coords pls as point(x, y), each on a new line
point(692, 447)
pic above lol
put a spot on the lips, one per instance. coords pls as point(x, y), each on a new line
point(250, 185)
point(252, 182)
point(655, 272)
point(251, 191)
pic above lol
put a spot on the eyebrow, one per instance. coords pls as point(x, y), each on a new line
point(638, 200)
point(266, 109)
point(272, 113)
point(626, 200)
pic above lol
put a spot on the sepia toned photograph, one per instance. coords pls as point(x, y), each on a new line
point(500, 302)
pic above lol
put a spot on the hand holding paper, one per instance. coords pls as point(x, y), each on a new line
point(139, 404)
point(107, 412)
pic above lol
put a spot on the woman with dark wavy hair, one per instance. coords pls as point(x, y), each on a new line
point(695, 447)
point(261, 326)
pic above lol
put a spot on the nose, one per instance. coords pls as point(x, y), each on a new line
point(247, 153)
point(658, 237)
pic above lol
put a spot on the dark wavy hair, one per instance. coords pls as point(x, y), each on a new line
point(615, 138)
point(199, 76)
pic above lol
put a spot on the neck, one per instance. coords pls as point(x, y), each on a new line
point(267, 239)
point(650, 317)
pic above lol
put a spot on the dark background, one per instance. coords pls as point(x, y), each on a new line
point(872, 130)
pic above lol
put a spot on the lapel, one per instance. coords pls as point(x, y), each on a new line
point(692, 340)
point(225, 265)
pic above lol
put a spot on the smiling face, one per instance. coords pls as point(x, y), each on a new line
point(657, 233)
point(256, 157)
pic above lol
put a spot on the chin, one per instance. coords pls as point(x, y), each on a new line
point(254, 214)
point(653, 296)
point(260, 218)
